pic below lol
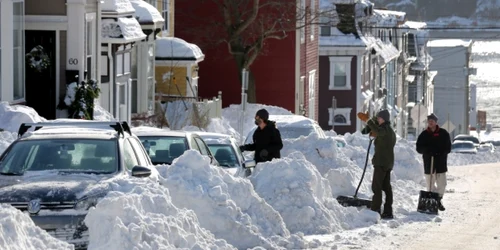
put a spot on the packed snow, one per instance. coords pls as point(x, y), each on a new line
point(17, 231)
point(285, 204)
point(145, 12)
point(120, 6)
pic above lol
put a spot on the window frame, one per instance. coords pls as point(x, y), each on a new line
point(165, 13)
point(340, 60)
point(345, 112)
point(19, 87)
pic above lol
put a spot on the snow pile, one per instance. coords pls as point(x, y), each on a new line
point(173, 47)
point(233, 113)
point(140, 215)
point(6, 138)
point(295, 188)
point(456, 159)
point(145, 12)
point(11, 116)
point(227, 206)
point(100, 114)
point(17, 231)
point(120, 6)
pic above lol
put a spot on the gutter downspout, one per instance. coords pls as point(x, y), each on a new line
point(98, 47)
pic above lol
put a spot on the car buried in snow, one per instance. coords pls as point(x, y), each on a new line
point(60, 170)
point(463, 147)
point(225, 149)
point(163, 146)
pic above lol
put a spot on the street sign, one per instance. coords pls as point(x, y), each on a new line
point(448, 125)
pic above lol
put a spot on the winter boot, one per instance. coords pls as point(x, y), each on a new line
point(387, 216)
point(440, 205)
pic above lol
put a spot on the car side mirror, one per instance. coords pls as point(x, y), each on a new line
point(141, 171)
point(249, 164)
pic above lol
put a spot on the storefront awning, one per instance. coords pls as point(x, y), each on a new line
point(121, 30)
point(173, 48)
point(146, 14)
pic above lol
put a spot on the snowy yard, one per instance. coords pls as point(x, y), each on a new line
point(285, 204)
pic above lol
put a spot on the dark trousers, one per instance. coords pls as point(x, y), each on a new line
point(381, 182)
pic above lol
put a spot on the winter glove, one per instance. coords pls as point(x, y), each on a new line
point(364, 116)
point(242, 148)
point(263, 154)
point(372, 134)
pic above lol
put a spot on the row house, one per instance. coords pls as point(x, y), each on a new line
point(288, 69)
point(70, 41)
point(418, 86)
point(353, 67)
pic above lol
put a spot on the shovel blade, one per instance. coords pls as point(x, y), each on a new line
point(349, 201)
point(428, 202)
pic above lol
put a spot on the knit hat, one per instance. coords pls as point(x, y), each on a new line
point(263, 114)
point(432, 117)
point(384, 114)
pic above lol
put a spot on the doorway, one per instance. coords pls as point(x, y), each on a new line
point(41, 81)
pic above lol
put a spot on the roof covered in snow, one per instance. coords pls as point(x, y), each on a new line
point(176, 48)
point(414, 25)
point(449, 43)
point(124, 30)
point(146, 13)
point(387, 18)
point(118, 6)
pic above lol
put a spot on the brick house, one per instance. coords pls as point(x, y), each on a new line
point(286, 75)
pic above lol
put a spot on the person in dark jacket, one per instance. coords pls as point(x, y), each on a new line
point(435, 142)
point(267, 142)
point(383, 160)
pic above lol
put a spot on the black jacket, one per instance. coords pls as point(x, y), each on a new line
point(437, 144)
point(268, 139)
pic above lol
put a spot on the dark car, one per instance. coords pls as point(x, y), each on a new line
point(59, 171)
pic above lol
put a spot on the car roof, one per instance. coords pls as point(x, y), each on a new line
point(462, 141)
point(163, 133)
point(70, 132)
point(291, 120)
point(216, 138)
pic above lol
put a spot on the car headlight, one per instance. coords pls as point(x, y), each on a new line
point(86, 203)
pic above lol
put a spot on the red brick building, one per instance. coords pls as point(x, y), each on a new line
point(286, 75)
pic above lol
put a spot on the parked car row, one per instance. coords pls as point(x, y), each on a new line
point(469, 144)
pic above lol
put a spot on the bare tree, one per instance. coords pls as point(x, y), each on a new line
point(245, 26)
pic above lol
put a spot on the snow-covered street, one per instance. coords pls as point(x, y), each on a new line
point(469, 222)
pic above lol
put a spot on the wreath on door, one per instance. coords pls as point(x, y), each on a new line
point(37, 59)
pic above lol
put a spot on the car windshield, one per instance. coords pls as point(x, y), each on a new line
point(224, 154)
point(75, 155)
point(294, 132)
point(462, 146)
point(468, 138)
point(164, 149)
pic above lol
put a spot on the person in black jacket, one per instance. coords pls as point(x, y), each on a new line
point(266, 139)
point(435, 142)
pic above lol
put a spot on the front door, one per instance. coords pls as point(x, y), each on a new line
point(41, 76)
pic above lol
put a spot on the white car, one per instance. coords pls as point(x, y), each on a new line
point(464, 137)
point(292, 127)
point(163, 146)
point(225, 149)
point(463, 147)
point(486, 147)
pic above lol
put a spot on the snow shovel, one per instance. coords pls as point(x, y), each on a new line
point(354, 201)
point(428, 202)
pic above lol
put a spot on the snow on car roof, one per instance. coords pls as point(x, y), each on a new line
point(161, 133)
point(71, 132)
point(291, 120)
point(215, 138)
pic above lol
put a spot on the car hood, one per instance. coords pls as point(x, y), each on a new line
point(51, 188)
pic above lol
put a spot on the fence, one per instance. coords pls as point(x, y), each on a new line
point(212, 108)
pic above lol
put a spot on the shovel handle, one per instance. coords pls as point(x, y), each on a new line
point(432, 171)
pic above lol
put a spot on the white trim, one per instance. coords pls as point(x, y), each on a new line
point(359, 101)
point(311, 83)
point(345, 112)
point(7, 52)
point(37, 22)
point(58, 67)
point(339, 50)
point(340, 60)
point(298, 93)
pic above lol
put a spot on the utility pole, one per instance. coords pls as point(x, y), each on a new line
point(244, 87)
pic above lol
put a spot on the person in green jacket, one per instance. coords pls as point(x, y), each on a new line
point(383, 160)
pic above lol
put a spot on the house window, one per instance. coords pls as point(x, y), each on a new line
point(18, 42)
point(122, 63)
point(313, 18)
point(302, 20)
point(165, 11)
point(340, 73)
point(325, 28)
point(312, 95)
point(340, 116)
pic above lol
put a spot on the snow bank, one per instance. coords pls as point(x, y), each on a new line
point(233, 113)
point(6, 138)
point(294, 187)
point(17, 231)
point(100, 114)
point(227, 206)
point(11, 116)
point(456, 159)
point(140, 215)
